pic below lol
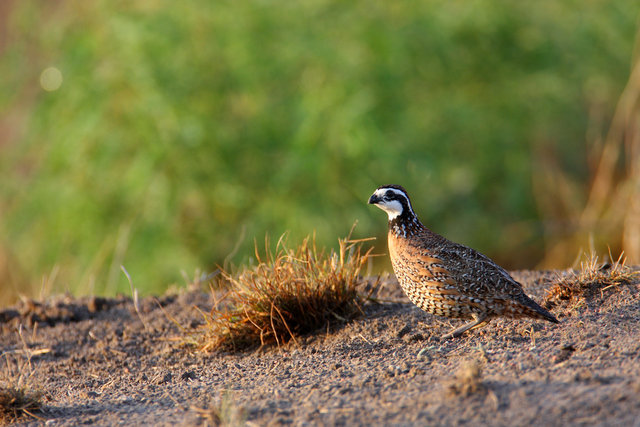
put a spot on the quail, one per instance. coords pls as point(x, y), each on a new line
point(446, 278)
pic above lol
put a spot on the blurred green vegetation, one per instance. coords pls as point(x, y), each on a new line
point(182, 131)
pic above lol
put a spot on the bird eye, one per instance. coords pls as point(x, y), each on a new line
point(388, 194)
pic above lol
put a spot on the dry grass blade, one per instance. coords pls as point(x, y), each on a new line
point(136, 300)
point(591, 279)
point(288, 293)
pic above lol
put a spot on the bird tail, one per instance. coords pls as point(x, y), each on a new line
point(533, 309)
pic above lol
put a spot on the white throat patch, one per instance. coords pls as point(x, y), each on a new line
point(392, 208)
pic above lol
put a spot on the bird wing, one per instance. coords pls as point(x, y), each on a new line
point(475, 273)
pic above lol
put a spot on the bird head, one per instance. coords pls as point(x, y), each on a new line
point(393, 199)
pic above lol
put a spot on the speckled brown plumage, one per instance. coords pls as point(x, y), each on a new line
point(446, 278)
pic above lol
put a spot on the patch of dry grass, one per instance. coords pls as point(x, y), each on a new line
point(18, 395)
point(16, 401)
point(222, 413)
point(468, 380)
point(286, 294)
point(592, 279)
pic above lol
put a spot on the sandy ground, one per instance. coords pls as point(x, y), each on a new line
point(97, 363)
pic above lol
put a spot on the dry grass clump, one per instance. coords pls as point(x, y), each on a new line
point(18, 395)
point(289, 293)
point(468, 380)
point(16, 401)
point(591, 279)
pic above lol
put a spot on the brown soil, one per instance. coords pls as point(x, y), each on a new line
point(97, 363)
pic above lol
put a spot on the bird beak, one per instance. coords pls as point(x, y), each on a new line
point(373, 199)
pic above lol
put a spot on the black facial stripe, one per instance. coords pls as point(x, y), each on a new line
point(394, 195)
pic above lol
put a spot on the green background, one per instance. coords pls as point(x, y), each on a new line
point(182, 131)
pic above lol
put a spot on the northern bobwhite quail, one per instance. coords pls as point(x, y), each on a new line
point(446, 278)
